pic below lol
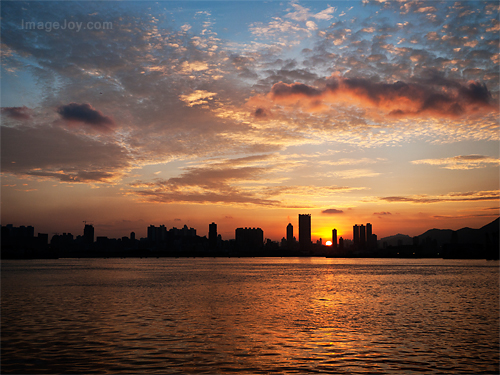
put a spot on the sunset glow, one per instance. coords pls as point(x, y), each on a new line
point(247, 114)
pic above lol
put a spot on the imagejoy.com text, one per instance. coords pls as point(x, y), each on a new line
point(66, 25)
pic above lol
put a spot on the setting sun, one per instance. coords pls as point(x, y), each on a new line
point(328, 243)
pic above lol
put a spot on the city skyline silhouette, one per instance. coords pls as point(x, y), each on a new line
point(21, 243)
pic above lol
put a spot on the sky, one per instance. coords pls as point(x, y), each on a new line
point(248, 113)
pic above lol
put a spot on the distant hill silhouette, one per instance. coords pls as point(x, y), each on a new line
point(483, 236)
point(395, 240)
point(465, 235)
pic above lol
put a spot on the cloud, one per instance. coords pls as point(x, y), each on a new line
point(260, 113)
point(461, 162)
point(352, 173)
point(141, 67)
point(302, 14)
point(305, 191)
point(347, 161)
point(280, 30)
point(188, 67)
point(332, 211)
point(17, 113)
point(488, 195)
point(52, 152)
point(86, 114)
point(214, 183)
point(383, 213)
point(464, 216)
point(197, 97)
point(326, 14)
point(240, 181)
point(445, 98)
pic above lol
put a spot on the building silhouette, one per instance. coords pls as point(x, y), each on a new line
point(88, 234)
point(212, 235)
point(157, 234)
point(304, 231)
point(362, 236)
point(334, 238)
point(249, 239)
point(289, 233)
point(355, 235)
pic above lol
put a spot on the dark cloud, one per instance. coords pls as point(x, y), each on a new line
point(332, 211)
point(17, 113)
point(212, 184)
point(75, 176)
point(86, 114)
point(53, 152)
point(260, 113)
point(442, 97)
point(382, 213)
point(282, 89)
point(206, 197)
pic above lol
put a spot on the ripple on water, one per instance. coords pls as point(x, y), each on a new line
point(249, 316)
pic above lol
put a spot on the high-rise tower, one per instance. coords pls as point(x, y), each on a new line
point(368, 231)
point(88, 233)
point(362, 236)
point(370, 237)
point(289, 233)
point(304, 231)
point(212, 235)
point(334, 238)
point(355, 235)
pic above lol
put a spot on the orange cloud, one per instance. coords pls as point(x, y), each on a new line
point(442, 98)
point(489, 195)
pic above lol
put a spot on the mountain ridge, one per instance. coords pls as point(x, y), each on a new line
point(443, 236)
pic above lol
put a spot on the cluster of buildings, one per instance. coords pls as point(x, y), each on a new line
point(21, 241)
point(363, 238)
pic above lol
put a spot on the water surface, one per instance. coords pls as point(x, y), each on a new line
point(253, 315)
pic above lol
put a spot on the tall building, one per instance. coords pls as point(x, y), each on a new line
point(371, 239)
point(157, 234)
point(305, 231)
point(249, 239)
point(362, 236)
point(334, 238)
point(212, 235)
point(289, 233)
point(355, 235)
point(368, 231)
point(88, 233)
point(151, 233)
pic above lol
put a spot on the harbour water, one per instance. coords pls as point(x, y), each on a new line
point(250, 315)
